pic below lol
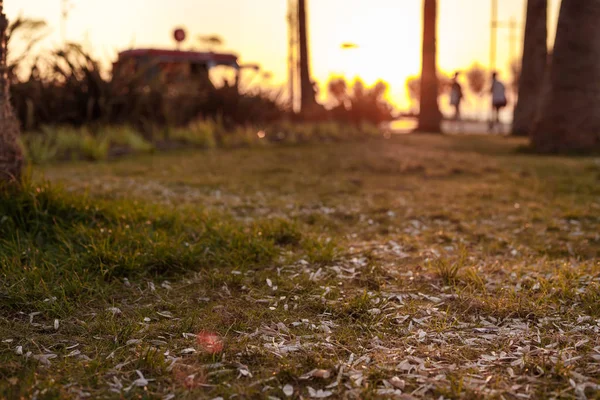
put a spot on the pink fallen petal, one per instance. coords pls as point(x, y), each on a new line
point(210, 342)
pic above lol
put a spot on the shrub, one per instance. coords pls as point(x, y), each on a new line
point(200, 133)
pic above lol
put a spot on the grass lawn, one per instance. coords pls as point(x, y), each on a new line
point(417, 267)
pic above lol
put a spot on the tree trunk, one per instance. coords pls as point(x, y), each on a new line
point(307, 93)
point(430, 117)
point(569, 120)
point(535, 56)
point(11, 157)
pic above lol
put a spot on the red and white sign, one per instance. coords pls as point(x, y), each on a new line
point(179, 35)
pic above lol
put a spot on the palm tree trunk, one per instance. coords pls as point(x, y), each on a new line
point(306, 87)
point(430, 117)
point(11, 157)
point(569, 118)
point(535, 56)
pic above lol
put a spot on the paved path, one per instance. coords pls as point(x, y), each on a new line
point(407, 125)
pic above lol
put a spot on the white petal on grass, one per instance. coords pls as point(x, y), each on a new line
point(173, 361)
point(32, 315)
point(114, 310)
point(405, 366)
point(517, 363)
point(189, 350)
point(166, 314)
point(397, 383)
point(80, 393)
point(56, 324)
point(319, 394)
point(19, 350)
point(115, 386)
point(288, 390)
point(389, 393)
point(84, 357)
point(140, 382)
point(121, 365)
point(44, 358)
point(320, 373)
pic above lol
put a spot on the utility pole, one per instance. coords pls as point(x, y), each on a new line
point(494, 25)
point(66, 7)
point(512, 25)
point(513, 38)
point(493, 35)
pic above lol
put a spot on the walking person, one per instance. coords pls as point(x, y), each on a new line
point(456, 96)
point(499, 101)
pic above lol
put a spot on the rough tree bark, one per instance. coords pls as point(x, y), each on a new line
point(430, 117)
point(307, 93)
point(11, 157)
point(569, 119)
point(535, 56)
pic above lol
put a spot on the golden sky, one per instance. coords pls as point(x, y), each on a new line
point(387, 31)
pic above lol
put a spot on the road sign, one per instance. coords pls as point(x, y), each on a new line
point(179, 35)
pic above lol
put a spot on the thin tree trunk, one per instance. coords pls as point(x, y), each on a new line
point(570, 119)
point(535, 56)
point(11, 157)
point(306, 87)
point(430, 117)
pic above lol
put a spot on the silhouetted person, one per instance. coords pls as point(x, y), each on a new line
point(456, 96)
point(499, 101)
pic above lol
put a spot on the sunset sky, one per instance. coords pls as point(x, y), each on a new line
point(387, 31)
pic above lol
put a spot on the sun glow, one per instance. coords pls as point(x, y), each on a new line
point(386, 48)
